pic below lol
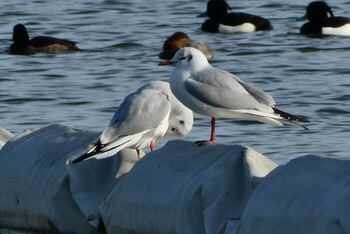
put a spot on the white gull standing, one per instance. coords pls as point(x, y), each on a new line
point(216, 93)
point(144, 117)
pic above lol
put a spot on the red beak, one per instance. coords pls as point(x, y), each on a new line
point(166, 62)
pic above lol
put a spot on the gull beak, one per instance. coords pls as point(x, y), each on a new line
point(166, 62)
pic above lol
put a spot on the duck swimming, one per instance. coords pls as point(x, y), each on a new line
point(322, 21)
point(179, 40)
point(220, 21)
point(23, 45)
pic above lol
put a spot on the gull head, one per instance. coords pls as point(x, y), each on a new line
point(188, 58)
point(180, 121)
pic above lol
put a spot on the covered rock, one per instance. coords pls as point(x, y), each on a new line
point(183, 188)
point(310, 194)
point(41, 190)
point(180, 188)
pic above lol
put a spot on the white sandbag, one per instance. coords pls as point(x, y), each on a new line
point(4, 136)
point(40, 190)
point(91, 181)
point(309, 195)
point(183, 188)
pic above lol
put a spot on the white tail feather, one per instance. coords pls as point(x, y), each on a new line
point(268, 118)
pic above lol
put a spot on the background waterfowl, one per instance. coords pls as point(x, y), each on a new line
point(322, 21)
point(222, 21)
point(23, 45)
point(179, 40)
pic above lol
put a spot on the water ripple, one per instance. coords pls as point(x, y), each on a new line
point(120, 42)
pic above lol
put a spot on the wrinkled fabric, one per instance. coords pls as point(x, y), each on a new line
point(40, 190)
point(183, 188)
point(310, 194)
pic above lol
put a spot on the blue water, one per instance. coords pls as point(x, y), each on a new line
point(121, 41)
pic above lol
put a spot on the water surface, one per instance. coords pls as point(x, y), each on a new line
point(121, 41)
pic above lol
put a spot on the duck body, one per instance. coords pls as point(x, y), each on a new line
point(23, 45)
point(236, 22)
point(220, 21)
point(332, 26)
point(323, 22)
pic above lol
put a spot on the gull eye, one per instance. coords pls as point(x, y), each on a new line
point(182, 57)
point(190, 58)
point(173, 129)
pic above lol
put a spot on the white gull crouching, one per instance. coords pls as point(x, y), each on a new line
point(143, 118)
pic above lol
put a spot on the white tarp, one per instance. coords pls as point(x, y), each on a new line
point(41, 191)
point(309, 195)
point(183, 188)
point(180, 188)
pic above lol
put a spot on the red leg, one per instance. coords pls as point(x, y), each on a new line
point(151, 146)
point(212, 135)
point(138, 154)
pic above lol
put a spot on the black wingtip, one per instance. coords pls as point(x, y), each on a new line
point(97, 149)
point(81, 158)
point(291, 117)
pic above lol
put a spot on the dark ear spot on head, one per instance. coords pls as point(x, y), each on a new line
point(182, 122)
point(190, 57)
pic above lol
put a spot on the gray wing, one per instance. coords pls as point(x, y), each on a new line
point(222, 89)
point(140, 111)
point(180, 118)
